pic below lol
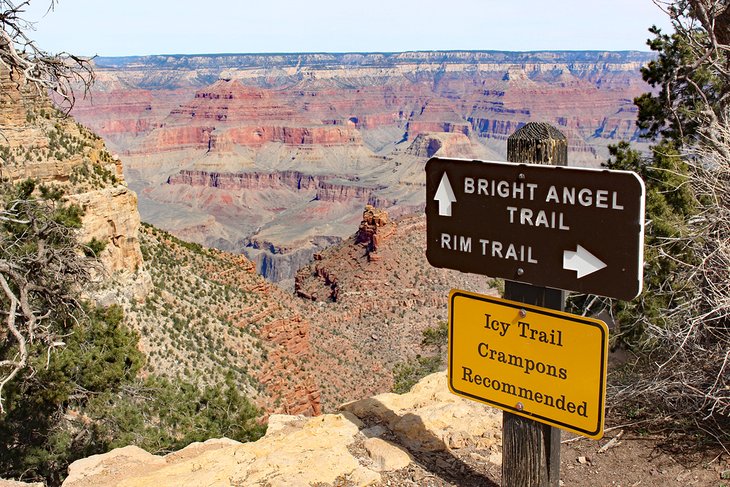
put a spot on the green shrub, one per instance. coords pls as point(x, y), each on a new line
point(94, 247)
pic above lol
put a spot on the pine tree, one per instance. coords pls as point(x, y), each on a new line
point(680, 325)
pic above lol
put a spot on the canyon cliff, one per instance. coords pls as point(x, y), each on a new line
point(40, 143)
point(372, 296)
point(211, 143)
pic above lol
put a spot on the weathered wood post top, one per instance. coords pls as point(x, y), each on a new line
point(538, 143)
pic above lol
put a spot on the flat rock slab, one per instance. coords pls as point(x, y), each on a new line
point(385, 455)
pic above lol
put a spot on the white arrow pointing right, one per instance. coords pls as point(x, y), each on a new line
point(582, 261)
point(445, 196)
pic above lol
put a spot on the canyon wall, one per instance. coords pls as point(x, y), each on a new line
point(206, 136)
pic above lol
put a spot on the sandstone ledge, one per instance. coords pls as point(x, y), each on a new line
point(367, 440)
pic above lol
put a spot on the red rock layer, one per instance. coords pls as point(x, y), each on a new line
point(376, 294)
point(327, 187)
point(231, 101)
point(258, 135)
point(248, 180)
point(375, 228)
point(282, 372)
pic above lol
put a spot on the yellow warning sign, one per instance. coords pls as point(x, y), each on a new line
point(539, 363)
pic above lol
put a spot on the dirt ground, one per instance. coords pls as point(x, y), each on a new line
point(633, 460)
point(624, 457)
point(644, 461)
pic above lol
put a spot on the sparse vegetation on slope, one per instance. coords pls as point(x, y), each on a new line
point(70, 383)
point(72, 377)
point(185, 318)
point(87, 397)
point(208, 318)
point(374, 307)
point(407, 374)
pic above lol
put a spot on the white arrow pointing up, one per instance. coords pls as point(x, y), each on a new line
point(445, 196)
point(582, 261)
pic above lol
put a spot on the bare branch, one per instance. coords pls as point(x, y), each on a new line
point(15, 365)
point(27, 63)
point(42, 269)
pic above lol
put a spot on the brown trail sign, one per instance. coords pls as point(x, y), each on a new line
point(566, 228)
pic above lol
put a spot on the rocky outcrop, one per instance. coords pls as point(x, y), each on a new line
point(427, 145)
point(52, 149)
point(374, 229)
point(28, 120)
point(335, 192)
point(319, 282)
point(111, 216)
point(417, 127)
point(13, 483)
point(387, 438)
point(327, 279)
point(17, 101)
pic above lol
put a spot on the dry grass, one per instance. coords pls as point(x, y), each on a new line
point(687, 382)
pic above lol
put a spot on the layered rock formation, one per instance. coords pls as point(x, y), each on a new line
point(487, 93)
point(360, 125)
point(294, 180)
point(228, 114)
point(383, 440)
point(263, 328)
point(111, 216)
point(38, 142)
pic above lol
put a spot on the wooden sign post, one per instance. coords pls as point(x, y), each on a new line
point(544, 228)
point(531, 450)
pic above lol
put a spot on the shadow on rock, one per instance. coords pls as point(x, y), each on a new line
point(436, 457)
point(435, 452)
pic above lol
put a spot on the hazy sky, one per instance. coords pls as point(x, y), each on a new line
point(136, 27)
